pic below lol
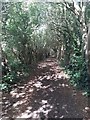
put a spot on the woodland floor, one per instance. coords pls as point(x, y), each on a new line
point(46, 94)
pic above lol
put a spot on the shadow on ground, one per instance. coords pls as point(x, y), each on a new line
point(46, 94)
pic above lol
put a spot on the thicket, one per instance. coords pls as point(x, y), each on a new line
point(31, 32)
point(22, 41)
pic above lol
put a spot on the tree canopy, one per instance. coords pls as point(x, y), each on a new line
point(35, 31)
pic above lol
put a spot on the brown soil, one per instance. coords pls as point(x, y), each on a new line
point(46, 94)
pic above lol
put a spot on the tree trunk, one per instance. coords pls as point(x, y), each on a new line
point(88, 49)
point(59, 52)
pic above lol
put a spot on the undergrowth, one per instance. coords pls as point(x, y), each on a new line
point(77, 70)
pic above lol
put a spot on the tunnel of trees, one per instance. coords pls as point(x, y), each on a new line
point(33, 32)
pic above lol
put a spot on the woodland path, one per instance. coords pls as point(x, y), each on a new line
point(46, 94)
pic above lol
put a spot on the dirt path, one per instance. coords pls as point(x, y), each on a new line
point(46, 94)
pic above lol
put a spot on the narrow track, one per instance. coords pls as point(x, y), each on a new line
point(46, 94)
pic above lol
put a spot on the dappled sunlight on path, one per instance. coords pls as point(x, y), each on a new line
point(46, 94)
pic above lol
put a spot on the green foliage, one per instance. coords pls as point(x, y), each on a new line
point(78, 72)
point(87, 13)
point(22, 43)
point(18, 72)
point(76, 66)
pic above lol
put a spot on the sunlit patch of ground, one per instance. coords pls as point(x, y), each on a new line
point(46, 94)
point(40, 112)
